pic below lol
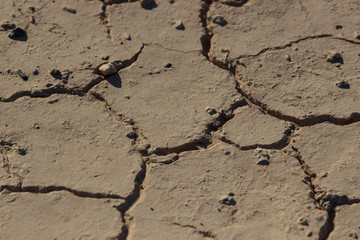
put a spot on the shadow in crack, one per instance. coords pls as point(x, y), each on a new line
point(150, 6)
point(115, 80)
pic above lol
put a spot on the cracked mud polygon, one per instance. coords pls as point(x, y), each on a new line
point(179, 119)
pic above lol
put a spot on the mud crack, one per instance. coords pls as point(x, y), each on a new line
point(310, 120)
point(206, 140)
point(61, 89)
point(278, 145)
point(131, 200)
point(49, 189)
point(206, 234)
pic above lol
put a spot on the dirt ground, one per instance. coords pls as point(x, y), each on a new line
point(180, 119)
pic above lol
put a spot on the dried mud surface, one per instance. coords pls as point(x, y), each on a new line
point(228, 119)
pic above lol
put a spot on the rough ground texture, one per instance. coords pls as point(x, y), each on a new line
point(228, 119)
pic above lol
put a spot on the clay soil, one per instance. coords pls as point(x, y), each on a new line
point(180, 119)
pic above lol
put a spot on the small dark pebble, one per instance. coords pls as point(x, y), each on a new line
point(303, 221)
point(36, 72)
point(230, 201)
point(32, 9)
point(55, 73)
point(22, 151)
point(48, 85)
point(7, 25)
point(343, 85)
point(17, 33)
point(263, 158)
point(132, 135)
point(338, 27)
point(22, 75)
point(335, 57)
point(53, 101)
point(70, 10)
point(168, 65)
point(220, 21)
point(179, 25)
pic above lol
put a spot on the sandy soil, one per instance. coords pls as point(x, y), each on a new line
point(179, 119)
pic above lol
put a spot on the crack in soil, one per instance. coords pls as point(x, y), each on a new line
point(309, 121)
point(206, 234)
point(235, 3)
point(310, 179)
point(49, 189)
point(206, 140)
point(61, 89)
point(131, 200)
point(278, 145)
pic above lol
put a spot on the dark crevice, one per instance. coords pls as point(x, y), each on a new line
point(206, 140)
point(278, 145)
point(61, 89)
point(197, 144)
point(206, 37)
point(110, 2)
point(285, 46)
point(328, 226)
point(308, 121)
point(234, 3)
point(310, 177)
point(206, 234)
point(141, 143)
point(131, 199)
point(49, 189)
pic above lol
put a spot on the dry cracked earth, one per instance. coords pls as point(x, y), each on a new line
point(228, 119)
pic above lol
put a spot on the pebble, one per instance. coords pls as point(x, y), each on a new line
point(287, 57)
point(35, 72)
point(118, 64)
point(228, 200)
point(105, 58)
point(107, 69)
point(132, 135)
point(7, 25)
point(22, 151)
point(168, 65)
point(179, 25)
point(36, 126)
point(262, 157)
point(68, 9)
point(210, 110)
point(22, 75)
point(354, 235)
point(343, 84)
point(334, 57)
point(55, 73)
point(303, 221)
point(17, 33)
point(219, 20)
point(127, 36)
